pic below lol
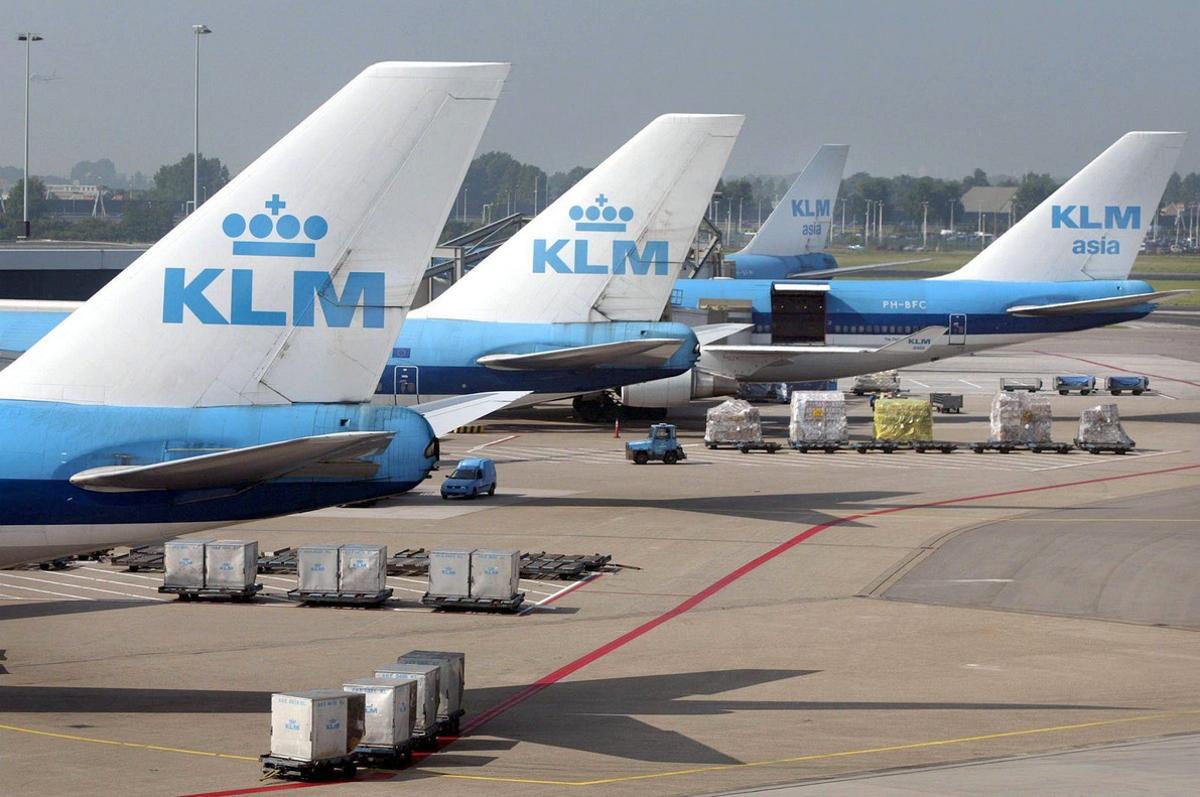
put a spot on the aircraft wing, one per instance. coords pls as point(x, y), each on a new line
point(446, 415)
point(327, 454)
point(710, 333)
point(736, 362)
point(647, 352)
point(830, 273)
point(1094, 305)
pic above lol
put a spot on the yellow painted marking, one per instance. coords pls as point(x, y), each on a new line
point(114, 743)
point(821, 756)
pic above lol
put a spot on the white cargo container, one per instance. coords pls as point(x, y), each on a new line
point(391, 710)
point(317, 568)
point(495, 575)
point(426, 677)
point(316, 725)
point(362, 569)
point(183, 563)
point(450, 573)
point(231, 564)
point(451, 677)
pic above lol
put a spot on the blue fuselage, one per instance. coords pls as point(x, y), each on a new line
point(777, 267)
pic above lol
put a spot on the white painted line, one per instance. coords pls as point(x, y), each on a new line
point(979, 580)
point(409, 580)
point(14, 598)
point(277, 578)
point(47, 592)
point(1104, 459)
point(84, 586)
point(972, 384)
point(570, 588)
point(915, 382)
point(120, 573)
point(103, 580)
point(494, 442)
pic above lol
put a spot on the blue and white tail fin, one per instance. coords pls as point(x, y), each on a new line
point(290, 284)
point(1092, 226)
point(611, 247)
point(800, 223)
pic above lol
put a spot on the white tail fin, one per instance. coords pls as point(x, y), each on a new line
point(1092, 226)
point(800, 223)
point(291, 283)
point(611, 247)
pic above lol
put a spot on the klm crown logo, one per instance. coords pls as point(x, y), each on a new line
point(286, 227)
point(601, 217)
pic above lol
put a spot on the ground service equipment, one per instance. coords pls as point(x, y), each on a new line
point(391, 706)
point(425, 727)
point(451, 680)
point(314, 733)
point(661, 445)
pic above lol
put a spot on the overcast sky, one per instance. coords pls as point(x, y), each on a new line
point(914, 87)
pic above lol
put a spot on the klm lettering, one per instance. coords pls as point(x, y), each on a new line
point(573, 257)
point(1081, 217)
point(310, 289)
point(818, 208)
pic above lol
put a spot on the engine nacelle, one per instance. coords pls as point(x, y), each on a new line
point(676, 390)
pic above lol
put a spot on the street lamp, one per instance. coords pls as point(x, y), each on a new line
point(29, 39)
point(199, 30)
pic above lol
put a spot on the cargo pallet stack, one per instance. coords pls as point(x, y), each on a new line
point(904, 424)
point(314, 734)
point(1020, 422)
point(1100, 431)
point(478, 580)
point(818, 421)
point(343, 575)
point(210, 569)
point(736, 424)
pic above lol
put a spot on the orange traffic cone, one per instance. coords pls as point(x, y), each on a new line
point(617, 428)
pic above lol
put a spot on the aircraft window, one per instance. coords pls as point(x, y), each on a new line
point(465, 473)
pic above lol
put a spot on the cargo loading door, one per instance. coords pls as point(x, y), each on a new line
point(798, 313)
point(958, 329)
point(406, 383)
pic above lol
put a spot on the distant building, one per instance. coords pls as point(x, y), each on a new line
point(991, 206)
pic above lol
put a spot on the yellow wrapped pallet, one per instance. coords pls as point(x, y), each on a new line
point(903, 420)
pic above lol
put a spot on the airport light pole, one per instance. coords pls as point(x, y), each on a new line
point(924, 224)
point(198, 30)
point(29, 39)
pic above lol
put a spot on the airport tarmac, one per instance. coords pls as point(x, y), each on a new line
point(785, 619)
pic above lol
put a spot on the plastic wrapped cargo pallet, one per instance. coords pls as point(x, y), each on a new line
point(362, 569)
point(316, 725)
point(391, 710)
point(818, 417)
point(428, 690)
point(183, 563)
point(317, 568)
point(231, 564)
point(733, 421)
point(1101, 426)
point(1020, 418)
point(450, 573)
point(495, 575)
point(878, 382)
point(451, 676)
point(903, 420)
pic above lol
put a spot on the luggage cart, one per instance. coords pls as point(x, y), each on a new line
point(281, 561)
point(379, 757)
point(1010, 384)
point(334, 598)
point(559, 565)
point(1102, 448)
point(828, 446)
point(1137, 385)
point(446, 726)
point(1037, 448)
point(195, 593)
point(890, 446)
point(946, 402)
point(745, 448)
point(143, 557)
point(274, 766)
point(468, 604)
point(1068, 383)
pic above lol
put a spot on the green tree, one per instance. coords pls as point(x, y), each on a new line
point(1171, 194)
point(173, 182)
point(38, 204)
point(1032, 189)
point(978, 177)
point(147, 220)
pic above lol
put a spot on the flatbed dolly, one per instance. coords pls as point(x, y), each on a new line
point(1101, 448)
point(829, 446)
point(445, 726)
point(463, 604)
point(340, 598)
point(745, 448)
point(143, 557)
point(279, 767)
point(379, 757)
point(1037, 448)
point(888, 446)
point(946, 402)
point(195, 593)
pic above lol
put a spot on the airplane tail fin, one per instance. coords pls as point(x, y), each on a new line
point(1092, 226)
point(800, 223)
point(611, 247)
point(289, 284)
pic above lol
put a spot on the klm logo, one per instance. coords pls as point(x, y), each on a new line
point(809, 208)
point(1081, 217)
point(274, 235)
point(310, 289)
point(564, 256)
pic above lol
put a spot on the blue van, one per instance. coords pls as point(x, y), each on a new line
point(470, 478)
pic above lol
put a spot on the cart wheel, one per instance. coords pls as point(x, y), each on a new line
point(744, 450)
point(977, 450)
point(133, 568)
point(919, 450)
point(1064, 450)
point(1063, 392)
point(861, 450)
point(1121, 451)
point(1095, 451)
point(830, 450)
point(1116, 392)
point(771, 449)
point(712, 446)
point(492, 490)
point(803, 449)
point(1085, 391)
point(670, 457)
point(1138, 392)
point(640, 458)
point(888, 450)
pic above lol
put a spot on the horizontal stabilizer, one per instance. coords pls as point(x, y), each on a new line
point(648, 352)
point(238, 466)
point(1094, 305)
point(446, 415)
point(830, 273)
point(711, 333)
point(38, 306)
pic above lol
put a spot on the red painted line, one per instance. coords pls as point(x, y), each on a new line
point(1115, 368)
point(289, 786)
point(701, 596)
